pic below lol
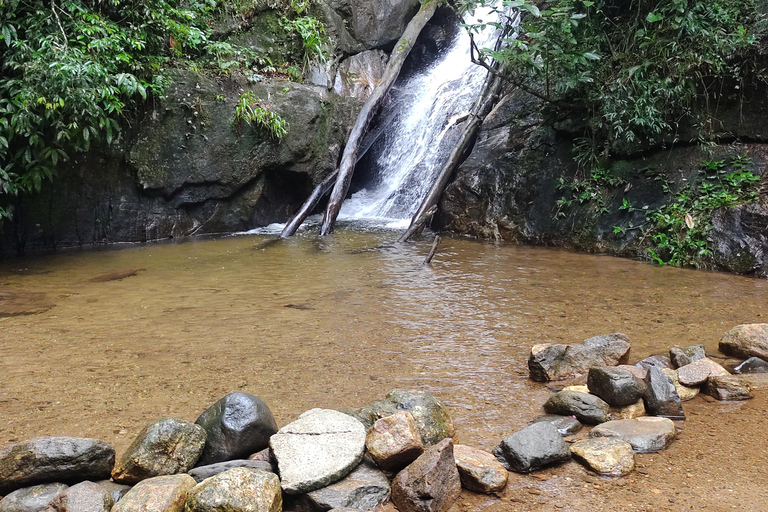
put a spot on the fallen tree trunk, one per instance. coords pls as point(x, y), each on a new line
point(350, 156)
point(433, 250)
point(309, 205)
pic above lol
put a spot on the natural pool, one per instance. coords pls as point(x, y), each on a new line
point(338, 322)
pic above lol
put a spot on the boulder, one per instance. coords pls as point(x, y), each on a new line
point(479, 470)
point(394, 442)
point(585, 407)
point(430, 415)
point(164, 447)
point(637, 371)
point(657, 361)
point(365, 488)
point(431, 483)
point(684, 392)
point(628, 412)
point(532, 448)
point(117, 491)
point(318, 449)
point(728, 387)
point(661, 398)
point(83, 497)
point(31, 499)
point(200, 473)
point(605, 456)
point(618, 387)
point(237, 490)
point(746, 341)
point(54, 459)
point(752, 365)
point(236, 426)
point(158, 494)
point(697, 372)
point(646, 435)
point(566, 425)
point(687, 355)
point(549, 361)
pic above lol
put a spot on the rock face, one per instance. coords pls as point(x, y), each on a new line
point(54, 459)
point(752, 365)
point(532, 448)
point(646, 435)
point(83, 497)
point(556, 362)
point(479, 470)
point(566, 425)
point(158, 494)
point(430, 415)
point(236, 426)
point(618, 387)
point(31, 499)
point(164, 447)
point(728, 387)
point(684, 392)
point(237, 490)
point(661, 398)
point(318, 449)
point(431, 483)
point(683, 356)
point(605, 456)
point(746, 341)
point(394, 442)
point(587, 408)
point(200, 473)
point(699, 371)
point(365, 488)
point(362, 25)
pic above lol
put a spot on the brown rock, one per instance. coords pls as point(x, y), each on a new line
point(629, 412)
point(394, 442)
point(746, 341)
point(479, 470)
point(431, 483)
point(84, 497)
point(638, 372)
point(728, 387)
point(605, 455)
point(237, 490)
point(158, 494)
point(684, 392)
point(552, 361)
point(698, 371)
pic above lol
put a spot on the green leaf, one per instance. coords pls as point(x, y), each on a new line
point(654, 17)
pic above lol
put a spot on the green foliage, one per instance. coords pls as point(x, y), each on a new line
point(250, 110)
point(314, 41)
point(592, 189)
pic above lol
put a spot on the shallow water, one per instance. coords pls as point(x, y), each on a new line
point(332, 323)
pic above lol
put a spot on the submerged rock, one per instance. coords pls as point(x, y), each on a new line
point(746, 341)
point(605, 456)
point(158, 494)
point(618, 387)
point(394, 442)
point(83, 497)
point(54, 459)
point(555, 361)
point(532, 448)
point(318, 449)
point(728, 387)
point(687, 355)
point(646, 435)
point(752, 365)
point(479, 470)
point(585, 407)
point(200, 473)
point(365, 488)
point(431, 483)
point(566, 425)
point(164, 447)
point(31, 499)
point(236, 426)
point(237, 490)
point(661, 398)
point(699, 371)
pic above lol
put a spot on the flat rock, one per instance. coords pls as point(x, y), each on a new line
point(117, 491)
point(628, 412)
point(83, 497)
point(657, 361)
point(618, 387)
point(566, 425)
point(605, 455)
point(585, 407)
point(746, 341)
point(200, 473)
point(684, 392)
point(728, 387)
point(394, 442)
point(237, 490)
point(661, 398)
point(318, 449)
point(479, 470)
point(429, 413)
point(236, 426)
point(646, 435)
point(752, 365)
point(637, 371)
point(548, 361)
point(697, 372)
point(54, 459)
point(164, 447)
point(158, 494)
point(532, 448)
point(431, 483)
point(31, 499)
point(686, 355)
point(365, 488)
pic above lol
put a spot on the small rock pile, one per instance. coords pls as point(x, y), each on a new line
point(235, 458)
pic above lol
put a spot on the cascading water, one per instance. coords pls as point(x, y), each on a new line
point(418, 140)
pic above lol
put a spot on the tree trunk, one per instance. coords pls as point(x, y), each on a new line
point(309, 205)
point(350, 156)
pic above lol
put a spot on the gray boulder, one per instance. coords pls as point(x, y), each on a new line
point(646, 435)
point(237, 490)
point(200, 473)
point(365, 488)
point(746, 341)
point(431, 483)
point(585, 407)
point(31, 499)
point(752, 365)
point(566, 425)
point(532, 448)
point(661, 398)
point(687, 355)
point(618, 387)
point(83, 497)
point(657, 361)
point(555, 361)
point(728, 387)
point(699, 371)
point(54, 459)
point(158, 494)
point(117, 491)
point(236, 426)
